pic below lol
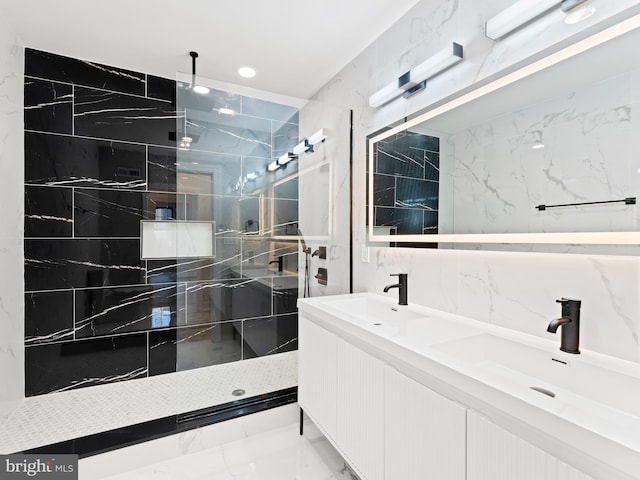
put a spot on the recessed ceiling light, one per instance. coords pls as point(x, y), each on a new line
point(246, 72)
point(201, 90)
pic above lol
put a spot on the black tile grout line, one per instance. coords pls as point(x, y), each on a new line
point(130, 142)
point(159, 284)
point(405, 177)
point(169, 102)
point(107, 336)
point(82, 85)
point(110, 440)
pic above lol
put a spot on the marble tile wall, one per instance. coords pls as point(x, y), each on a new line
point(324, 198)
point(516, 290)
point(100, 156)
point(586, 153)
point(11, 249)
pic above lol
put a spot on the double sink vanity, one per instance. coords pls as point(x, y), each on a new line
point(411, 392)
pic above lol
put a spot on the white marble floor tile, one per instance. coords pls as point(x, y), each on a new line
point(279, 454)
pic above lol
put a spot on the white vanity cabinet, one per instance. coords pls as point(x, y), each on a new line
point(361, 410)
point(317, 356)
point(493, 453)
point(425, 433)
point(386, 425)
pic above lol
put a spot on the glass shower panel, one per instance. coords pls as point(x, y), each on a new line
point(238, 316)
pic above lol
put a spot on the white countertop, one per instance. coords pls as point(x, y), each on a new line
point(593, 422)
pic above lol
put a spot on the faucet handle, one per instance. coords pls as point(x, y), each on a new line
point(567, 301)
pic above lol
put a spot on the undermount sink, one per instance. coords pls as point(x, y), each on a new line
point(569, 385)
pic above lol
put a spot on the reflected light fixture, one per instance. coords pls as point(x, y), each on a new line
point(284, 159)
point(186, 140)
point(196, 88)
point(281, 161)
point(576, 11)
point(415, 80)
point(537, 140)
point(303, 147)
point(226, 111)
point(246, 72)
point(317, 137)
point(273, 166)
point(515, 16)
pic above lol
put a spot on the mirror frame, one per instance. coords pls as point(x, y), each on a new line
point(476, 92)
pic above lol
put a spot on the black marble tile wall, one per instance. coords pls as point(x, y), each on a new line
point(48, 106)
point(101, 155)
point(48, 211)
point(61, 366)
point(406, 183)
point(41, 64)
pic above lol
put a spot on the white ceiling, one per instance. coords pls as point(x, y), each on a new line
point(296, 46)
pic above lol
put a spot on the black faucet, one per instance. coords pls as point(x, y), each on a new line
point(570, 323)
point(401, 286)
point(279, 261)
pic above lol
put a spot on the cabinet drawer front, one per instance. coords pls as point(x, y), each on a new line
point(495, 454)
point(317, 374)
point(361, 410)
point(425, 433)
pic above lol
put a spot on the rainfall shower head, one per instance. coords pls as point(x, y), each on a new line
point(196, 88)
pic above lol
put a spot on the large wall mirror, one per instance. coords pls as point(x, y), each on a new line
point(548, 153)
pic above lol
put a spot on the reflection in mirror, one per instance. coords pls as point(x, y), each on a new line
point(532, 161)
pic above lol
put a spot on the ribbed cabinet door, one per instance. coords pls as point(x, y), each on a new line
point(317, 374)
point(361, 410)
point(425, 432)
point(495, 454)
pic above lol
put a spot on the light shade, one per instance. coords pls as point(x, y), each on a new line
point(284, 159)
point(385, 95)
point(517, 15)
point(437, 63)
point(302, 147)
point(317, 137)
point(415, 79)
point(273, 166)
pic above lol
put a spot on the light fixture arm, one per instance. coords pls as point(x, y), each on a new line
point(193, 55)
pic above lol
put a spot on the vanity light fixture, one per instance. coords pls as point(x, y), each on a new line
point(576, 11)
point(284, 159)
point(568, 5)
point(524, 11)
point(415, 79)
point(317, 137)
point(281, 161)
point(515, 16)
point(302, 147)
point(201, 89)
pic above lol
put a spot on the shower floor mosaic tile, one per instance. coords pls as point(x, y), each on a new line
point(47, 419)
